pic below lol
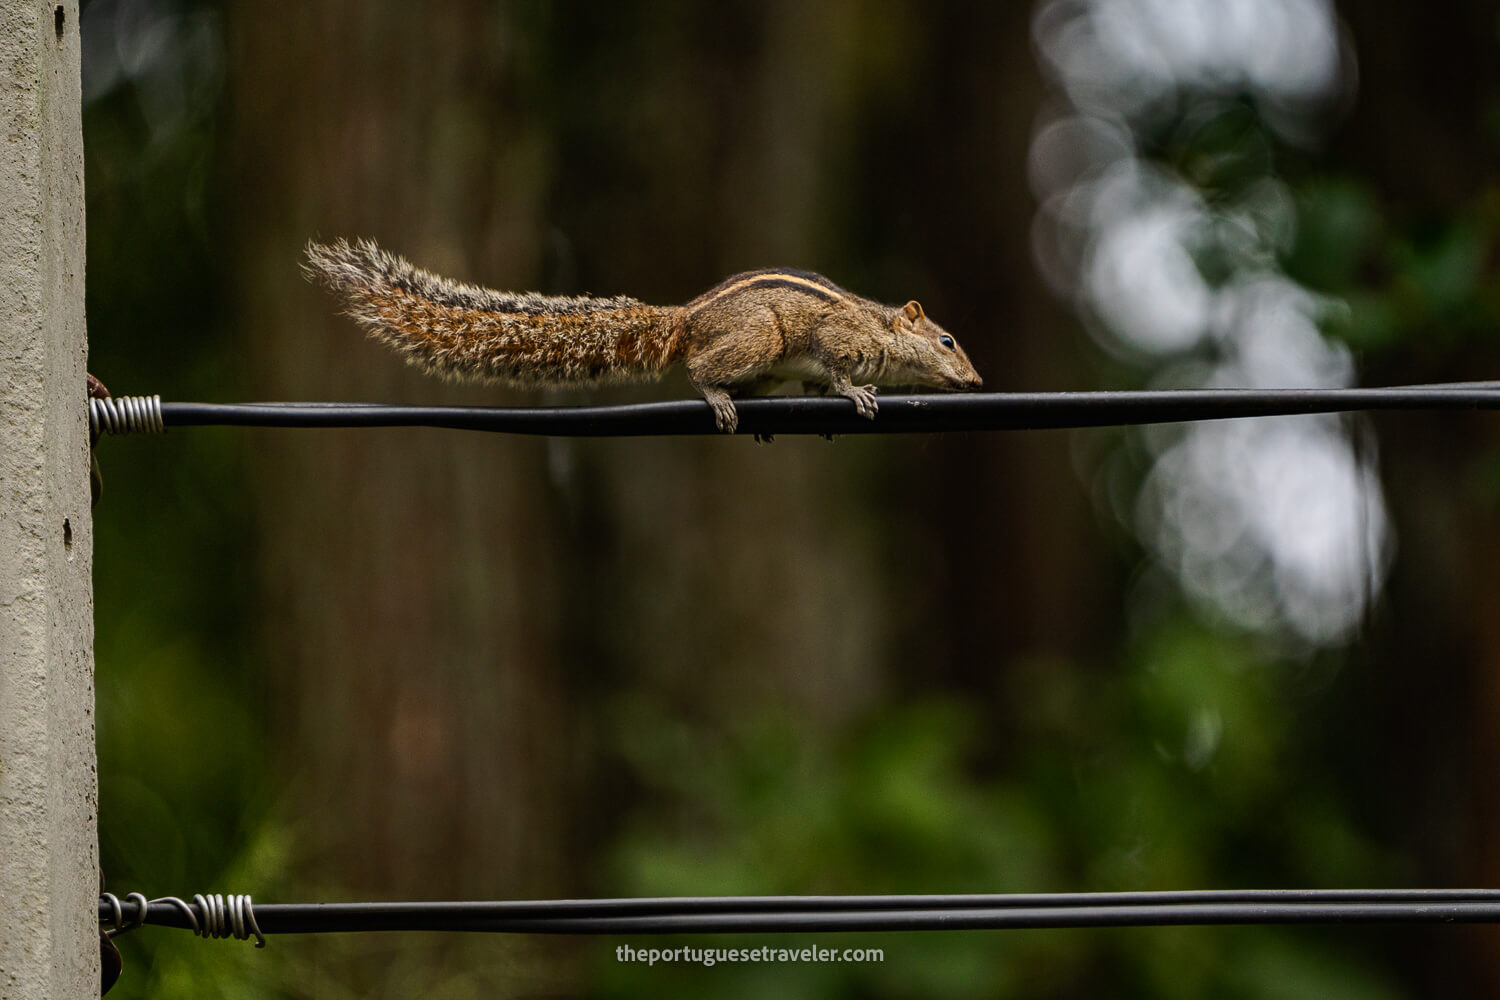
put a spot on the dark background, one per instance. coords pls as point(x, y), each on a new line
point(406, 664)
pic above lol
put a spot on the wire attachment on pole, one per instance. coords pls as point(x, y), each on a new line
point(117, 914)
point(126, 415)
point(209, 916)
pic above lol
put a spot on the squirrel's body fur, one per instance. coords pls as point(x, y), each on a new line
point(750, 330)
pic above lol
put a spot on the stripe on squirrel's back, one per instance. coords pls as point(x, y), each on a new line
point(807, 282)
point(796, 284)
point(790, 272)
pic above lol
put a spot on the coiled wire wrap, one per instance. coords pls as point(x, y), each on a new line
point(117, 915)
point(126, 415)
point(215, 916)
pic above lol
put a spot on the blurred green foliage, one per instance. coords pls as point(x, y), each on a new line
point(1175, 772)
point(1427, 287)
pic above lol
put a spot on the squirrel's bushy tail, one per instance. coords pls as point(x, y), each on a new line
point(464, 331)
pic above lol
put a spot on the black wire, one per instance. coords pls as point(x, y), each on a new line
point(869, 913)
point(825, 415)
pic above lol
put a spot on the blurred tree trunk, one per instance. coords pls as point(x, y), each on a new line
point(1028, 576)
point(412, 594)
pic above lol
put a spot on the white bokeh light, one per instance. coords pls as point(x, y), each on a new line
point(1130, 55)
point(1274, 524)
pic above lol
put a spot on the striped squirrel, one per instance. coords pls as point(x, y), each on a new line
point(749, 332)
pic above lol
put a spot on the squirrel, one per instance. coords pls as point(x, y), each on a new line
point(747, 333)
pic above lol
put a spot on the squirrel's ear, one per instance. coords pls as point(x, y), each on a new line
point(912, 310)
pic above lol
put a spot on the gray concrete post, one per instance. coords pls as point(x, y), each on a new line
point(49, 879)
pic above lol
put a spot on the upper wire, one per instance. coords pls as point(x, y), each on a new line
point(769, 415)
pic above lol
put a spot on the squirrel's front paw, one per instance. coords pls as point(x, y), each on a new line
point(864, 400)
point(725, 416)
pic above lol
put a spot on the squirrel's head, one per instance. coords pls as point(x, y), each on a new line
point(927, 354)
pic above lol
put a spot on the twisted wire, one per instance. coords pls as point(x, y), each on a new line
point(116, 913)
point(126, 415)
point(208, 916)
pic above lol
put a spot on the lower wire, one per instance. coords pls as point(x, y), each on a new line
point(770, 914)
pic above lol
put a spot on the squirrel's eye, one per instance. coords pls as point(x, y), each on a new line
point(946, 341)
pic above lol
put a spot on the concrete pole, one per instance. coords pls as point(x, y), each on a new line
point(49, 878)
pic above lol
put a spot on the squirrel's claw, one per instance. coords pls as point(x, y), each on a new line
point(864, 400)
point(725, 417)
